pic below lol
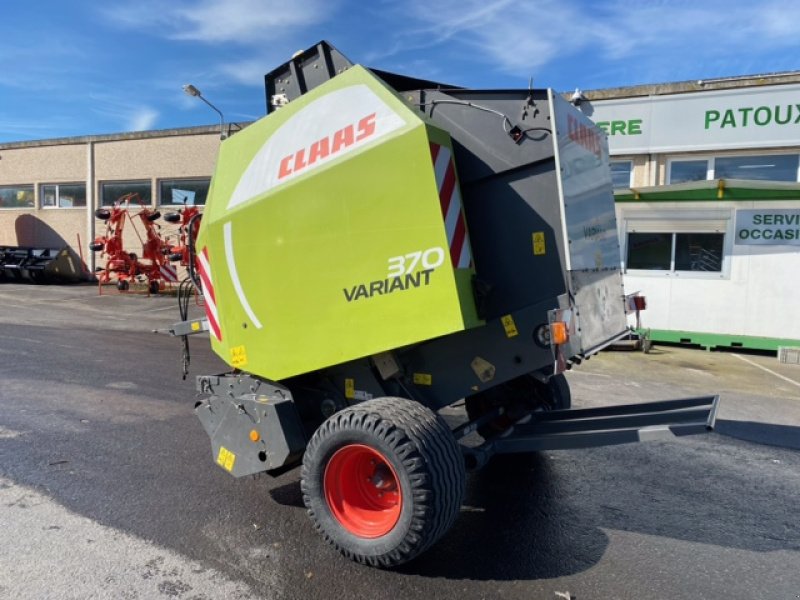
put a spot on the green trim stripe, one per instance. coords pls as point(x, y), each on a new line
point(710, 341)
point(717, 190)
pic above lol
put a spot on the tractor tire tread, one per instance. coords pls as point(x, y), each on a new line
point(424, 445)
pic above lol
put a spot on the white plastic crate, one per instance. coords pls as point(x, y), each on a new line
point(789, 355)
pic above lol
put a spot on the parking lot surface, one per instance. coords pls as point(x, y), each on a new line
point(108, 490)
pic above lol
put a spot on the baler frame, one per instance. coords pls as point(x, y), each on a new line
point(382, 473)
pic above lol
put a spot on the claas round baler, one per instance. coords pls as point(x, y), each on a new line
point(380, 247)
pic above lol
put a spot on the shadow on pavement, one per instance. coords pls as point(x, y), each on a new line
point(288, 494)
point(517, 523)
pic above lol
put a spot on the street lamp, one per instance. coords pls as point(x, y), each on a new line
point(190, 90)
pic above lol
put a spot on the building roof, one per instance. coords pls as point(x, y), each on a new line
point(113, 137)
point(698, 85)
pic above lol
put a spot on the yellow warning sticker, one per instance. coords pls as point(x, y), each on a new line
point(226, 458)
point(538, 243)
point(238, 357)
point(423, 379)
point(349, 389)
point(509, 326)
point(195, 326)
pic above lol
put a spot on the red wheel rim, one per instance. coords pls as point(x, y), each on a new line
point(363, 491)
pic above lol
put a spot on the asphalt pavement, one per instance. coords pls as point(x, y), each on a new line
point(108, 489)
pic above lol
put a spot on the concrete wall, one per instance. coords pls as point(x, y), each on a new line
point(38, 165)
point(159, 158)
point(150, 156)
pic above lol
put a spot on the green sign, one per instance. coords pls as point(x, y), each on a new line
point(621, 127)
point(749, 116)
point(762, 116)
point(768, 227)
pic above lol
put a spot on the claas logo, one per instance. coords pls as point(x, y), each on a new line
point(329, 145)
point(584, 135)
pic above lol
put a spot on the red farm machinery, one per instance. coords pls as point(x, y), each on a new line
point(122, 266)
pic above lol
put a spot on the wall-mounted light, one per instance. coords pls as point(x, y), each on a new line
point(577, 97)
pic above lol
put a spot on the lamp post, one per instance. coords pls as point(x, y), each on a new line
point(190, 90)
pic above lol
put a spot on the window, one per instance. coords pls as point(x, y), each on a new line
point(651, 251)
point(779, 167)
point(765, 167)
point(16, 196)
point(621, 173)
point(63, 195)
point(698, 252)
point(664, 251)
point(179, 192)
point(688, 170)
point(112, 191)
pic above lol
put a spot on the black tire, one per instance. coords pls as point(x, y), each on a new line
point(122, 285)
point(96, 246)
point(172, 217)
point(426, 466)
point(153, 216)
point(154, 287)
point(559, 392)
point(518, 397)
point(103, 214)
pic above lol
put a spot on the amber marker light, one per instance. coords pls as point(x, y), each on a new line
point(559, 333)
point(254, 435)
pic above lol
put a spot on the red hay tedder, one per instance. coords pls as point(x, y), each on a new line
point(123, 266)
point(188, 219)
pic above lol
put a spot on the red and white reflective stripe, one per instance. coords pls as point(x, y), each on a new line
point(450, 200)
point(207, 284)
point(168, 272)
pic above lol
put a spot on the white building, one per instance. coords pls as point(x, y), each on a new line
point(708, 206)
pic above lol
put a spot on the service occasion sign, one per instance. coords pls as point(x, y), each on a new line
point(768, 227)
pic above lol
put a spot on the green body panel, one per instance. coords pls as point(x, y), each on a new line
point(317, 264)
point(714, 340)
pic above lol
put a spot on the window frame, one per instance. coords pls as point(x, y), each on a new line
point(630, 172)
point(711, 163)
point(719, 222)
point(163, 180)
point(18, 187)
point(103, 184)
point(770, 154)
point(709, 166)
point(58, 196)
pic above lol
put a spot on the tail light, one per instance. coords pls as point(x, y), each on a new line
point(636, 303)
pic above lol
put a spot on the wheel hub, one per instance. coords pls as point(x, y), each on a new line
point(362, 491)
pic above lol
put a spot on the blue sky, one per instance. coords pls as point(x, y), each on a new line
point(86, 67)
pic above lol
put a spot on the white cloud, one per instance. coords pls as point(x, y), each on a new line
point(523, 36)
point(124, 114)
point(213, 21)
point(142, 119)
point(514, 35)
